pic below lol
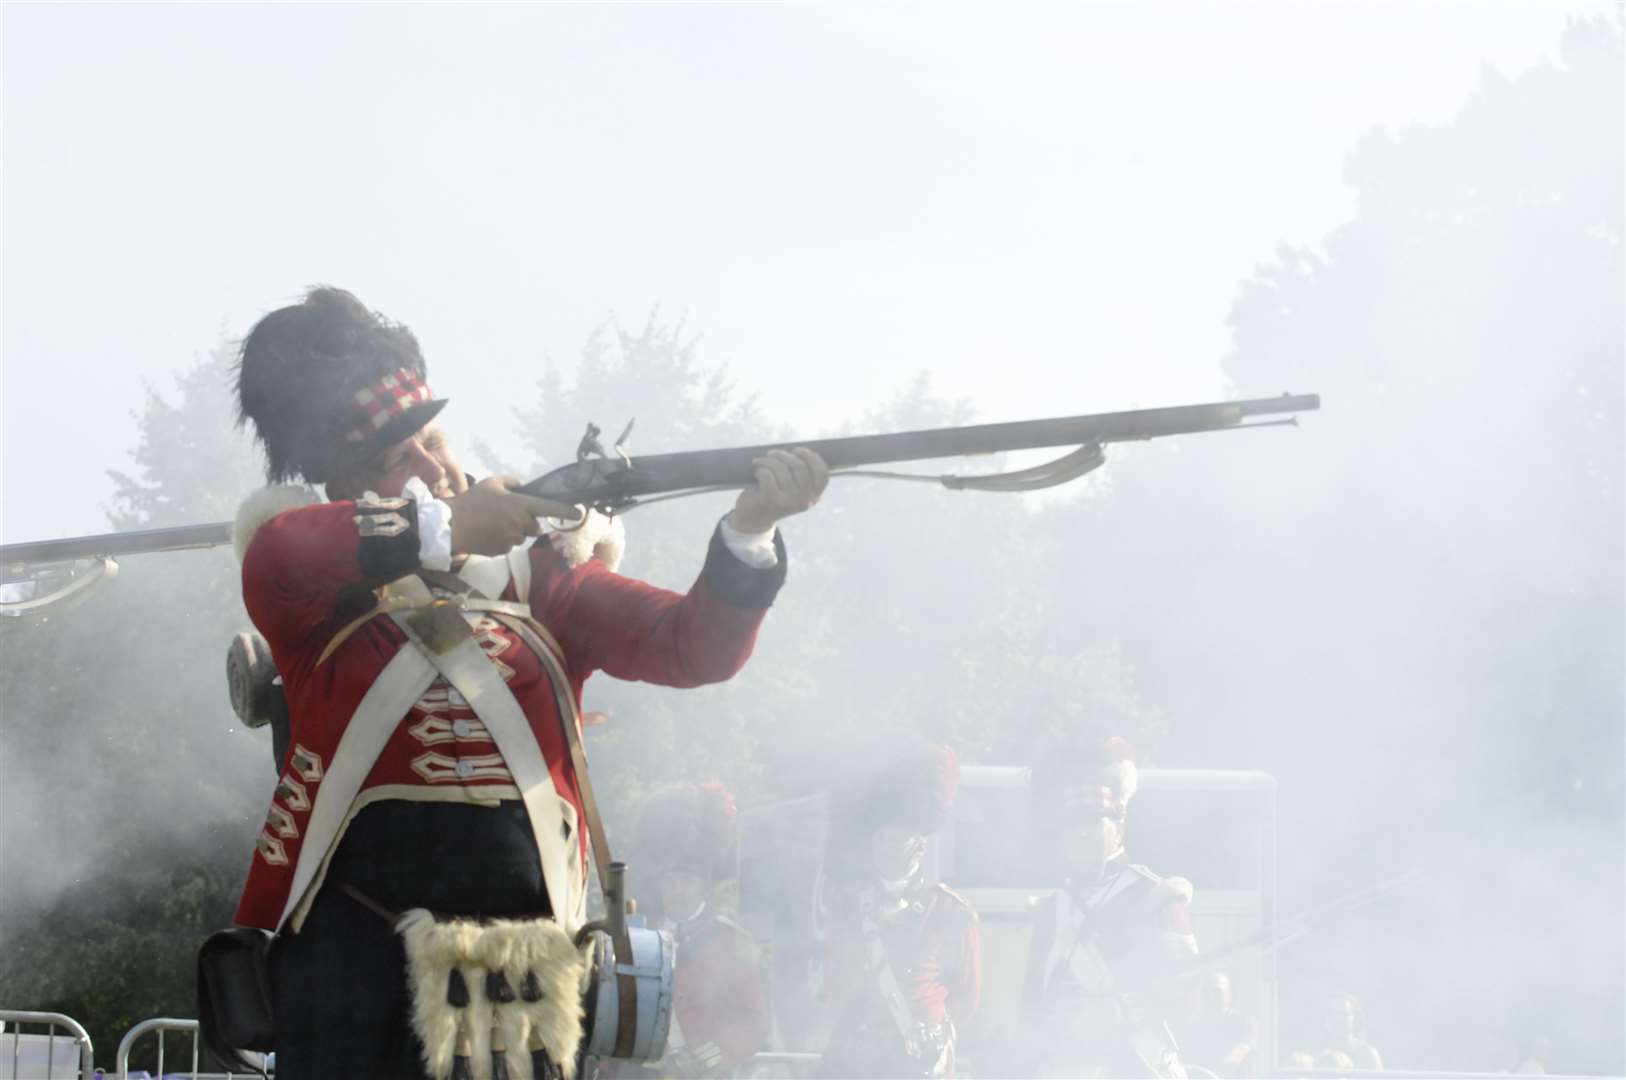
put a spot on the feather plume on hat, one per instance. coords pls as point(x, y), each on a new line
point(1102, 778)
point(1119, 772)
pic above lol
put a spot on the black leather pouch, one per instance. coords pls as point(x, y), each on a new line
point(234, 997)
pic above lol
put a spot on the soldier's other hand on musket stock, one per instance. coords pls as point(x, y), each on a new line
point(787, 482)
point(490, 518)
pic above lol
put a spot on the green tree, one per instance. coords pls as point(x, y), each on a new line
point(1410, 609)
point(652, 376)
point(129, 794)
point(909, 609)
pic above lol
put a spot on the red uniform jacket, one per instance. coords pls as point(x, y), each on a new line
point(933, 945)
point(309, 571)
point(719, 994)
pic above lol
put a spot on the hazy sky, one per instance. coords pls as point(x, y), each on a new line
point(1049, 206)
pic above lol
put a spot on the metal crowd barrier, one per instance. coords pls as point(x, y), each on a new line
point(41, 1061)
point(160, 1025)
point(1308, 1073)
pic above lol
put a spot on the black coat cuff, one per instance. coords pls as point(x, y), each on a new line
point(388, 538)
point(743, 586)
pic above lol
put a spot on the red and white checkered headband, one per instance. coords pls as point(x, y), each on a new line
point(376, 405)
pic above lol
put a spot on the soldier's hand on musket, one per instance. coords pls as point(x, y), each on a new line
point(491, 519)
point(787, 482)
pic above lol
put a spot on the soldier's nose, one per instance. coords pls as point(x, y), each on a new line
point(428, 468)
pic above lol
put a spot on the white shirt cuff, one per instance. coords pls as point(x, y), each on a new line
point(753, 549)
point(434, 526)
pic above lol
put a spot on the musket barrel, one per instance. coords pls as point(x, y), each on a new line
point(114, 545)
point(659, 473)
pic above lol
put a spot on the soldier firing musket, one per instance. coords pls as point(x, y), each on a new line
point(424, 861)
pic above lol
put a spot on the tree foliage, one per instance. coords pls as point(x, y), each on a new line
point(1409, 610)
point(129, 793)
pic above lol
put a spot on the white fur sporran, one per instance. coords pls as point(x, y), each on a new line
point(515, 948)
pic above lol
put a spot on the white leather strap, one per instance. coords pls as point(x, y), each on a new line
point(519, 570)
point(488, 575)
point(880, 968)
point(402, 682)
point(471, 672)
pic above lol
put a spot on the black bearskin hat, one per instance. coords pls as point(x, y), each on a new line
point(328, 384)
point(690, 828)
point(914, 786)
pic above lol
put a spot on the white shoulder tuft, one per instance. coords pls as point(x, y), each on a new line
point(263, 505)
point(604, 538)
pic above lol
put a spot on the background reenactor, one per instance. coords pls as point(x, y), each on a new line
point(1109, 946)
point(686, 852)
point(1220, 1037)
point(1343, 1032)
point(902, 966)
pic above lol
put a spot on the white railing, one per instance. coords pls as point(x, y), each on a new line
point(160, 1025)
point(36, 1057)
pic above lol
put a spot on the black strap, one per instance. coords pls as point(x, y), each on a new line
point(369, 903)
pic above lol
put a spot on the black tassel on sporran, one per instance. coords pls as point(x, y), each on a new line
point(457, 996)
point(499, 991)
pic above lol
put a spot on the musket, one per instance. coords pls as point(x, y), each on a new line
point(1287, 931)
point(78, 562)
point(114, 545)
point(618, 483)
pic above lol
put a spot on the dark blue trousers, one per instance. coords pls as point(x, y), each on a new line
point(339, 986)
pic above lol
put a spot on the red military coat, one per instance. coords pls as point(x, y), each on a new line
point(933, 947)
point(309, 571)
point(719, 997)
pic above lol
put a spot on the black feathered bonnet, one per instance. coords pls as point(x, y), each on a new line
point(328, 383)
